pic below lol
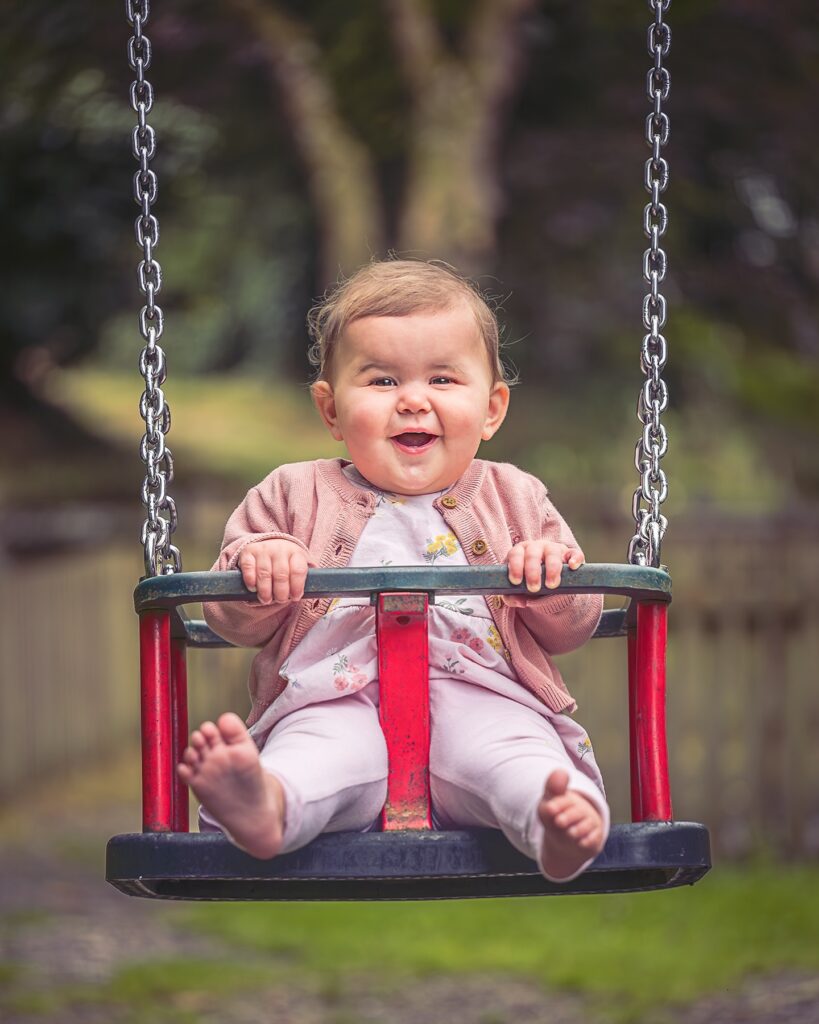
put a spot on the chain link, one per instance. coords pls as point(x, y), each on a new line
point(644, 547)
point(161, 556)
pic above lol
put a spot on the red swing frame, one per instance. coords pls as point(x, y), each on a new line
point(401, 627)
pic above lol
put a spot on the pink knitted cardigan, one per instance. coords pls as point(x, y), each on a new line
point(314, 505)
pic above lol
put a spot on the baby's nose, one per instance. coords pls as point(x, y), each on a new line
point(413, 399)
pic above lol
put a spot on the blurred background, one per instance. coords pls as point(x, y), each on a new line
point(295, 142)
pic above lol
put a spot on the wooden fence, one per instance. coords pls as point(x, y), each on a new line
point(743, 696)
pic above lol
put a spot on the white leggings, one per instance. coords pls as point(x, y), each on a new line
point(489, 760)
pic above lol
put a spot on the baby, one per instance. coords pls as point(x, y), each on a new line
point(410, 379)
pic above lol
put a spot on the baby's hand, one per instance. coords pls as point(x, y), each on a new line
point(526, 561)
point(275, 570)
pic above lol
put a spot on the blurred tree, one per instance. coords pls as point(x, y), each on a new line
point(57, 206)
point(456, 93)
point(298, 137)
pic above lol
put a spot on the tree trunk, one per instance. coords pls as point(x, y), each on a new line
point(340, 174)
point(453, 196)
point(452, 199)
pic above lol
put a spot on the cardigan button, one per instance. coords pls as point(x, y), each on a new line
point(479, 547)
point(449, 501)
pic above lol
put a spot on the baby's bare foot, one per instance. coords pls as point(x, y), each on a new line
point(222, 767)
point(573, 828)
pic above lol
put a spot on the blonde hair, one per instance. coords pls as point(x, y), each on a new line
point(397, 287)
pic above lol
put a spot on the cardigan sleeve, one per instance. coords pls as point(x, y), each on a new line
point(261, 516)
point(566, 621)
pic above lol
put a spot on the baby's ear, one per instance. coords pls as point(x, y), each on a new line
point(325, 402)
point(496, 409)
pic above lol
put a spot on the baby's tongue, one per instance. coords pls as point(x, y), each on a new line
point(413, 440)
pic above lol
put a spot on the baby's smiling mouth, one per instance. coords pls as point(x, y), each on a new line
point(414, 440)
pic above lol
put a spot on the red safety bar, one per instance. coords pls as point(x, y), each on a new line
point(157, 760)
point(650, 793)
point(403, 674)
point(179, 730)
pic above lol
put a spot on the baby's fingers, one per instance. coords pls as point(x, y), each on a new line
point(554, 565)
point(515, 563)
point(533, 568)
point(247, 566)
point(555, 559)
point(525, 563)
point(574, 558)
point(298, 575)
point(281, 577)
point(264, 577)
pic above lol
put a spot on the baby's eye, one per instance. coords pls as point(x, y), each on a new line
point(441, 380)
point(382, 382)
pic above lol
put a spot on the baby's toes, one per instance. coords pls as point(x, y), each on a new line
point(570, 819)
point(592, 843)
point(582, 829)
point(211, 734)
point(198, 741)
point(191, 757)
point(557, 783)
point(551, 808)
point(231, 728)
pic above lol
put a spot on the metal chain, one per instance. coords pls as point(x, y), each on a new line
point(161, 557)
point(644, 548)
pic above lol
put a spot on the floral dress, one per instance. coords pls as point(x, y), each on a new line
point(339, 655)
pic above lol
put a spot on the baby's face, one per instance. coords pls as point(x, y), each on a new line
point(412, 397)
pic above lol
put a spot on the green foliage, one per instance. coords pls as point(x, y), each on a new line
point(359, 59)
point(233, 254)
point(232, 304)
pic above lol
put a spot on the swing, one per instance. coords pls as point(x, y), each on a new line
point(407, 859)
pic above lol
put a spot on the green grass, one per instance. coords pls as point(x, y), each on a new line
point(628, 956)
point(167, 990)
point(144, 984)
point(239, 427)
point(632, 952)
point(8, 974)
point(23, 918)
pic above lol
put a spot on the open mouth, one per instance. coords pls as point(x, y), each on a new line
point(414, 441)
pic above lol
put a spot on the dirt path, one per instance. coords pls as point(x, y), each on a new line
point(64, 934)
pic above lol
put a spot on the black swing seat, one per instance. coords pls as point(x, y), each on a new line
point(411, 865)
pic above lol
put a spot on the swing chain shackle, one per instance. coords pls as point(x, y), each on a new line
point(644, 547)
point(161, 556)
